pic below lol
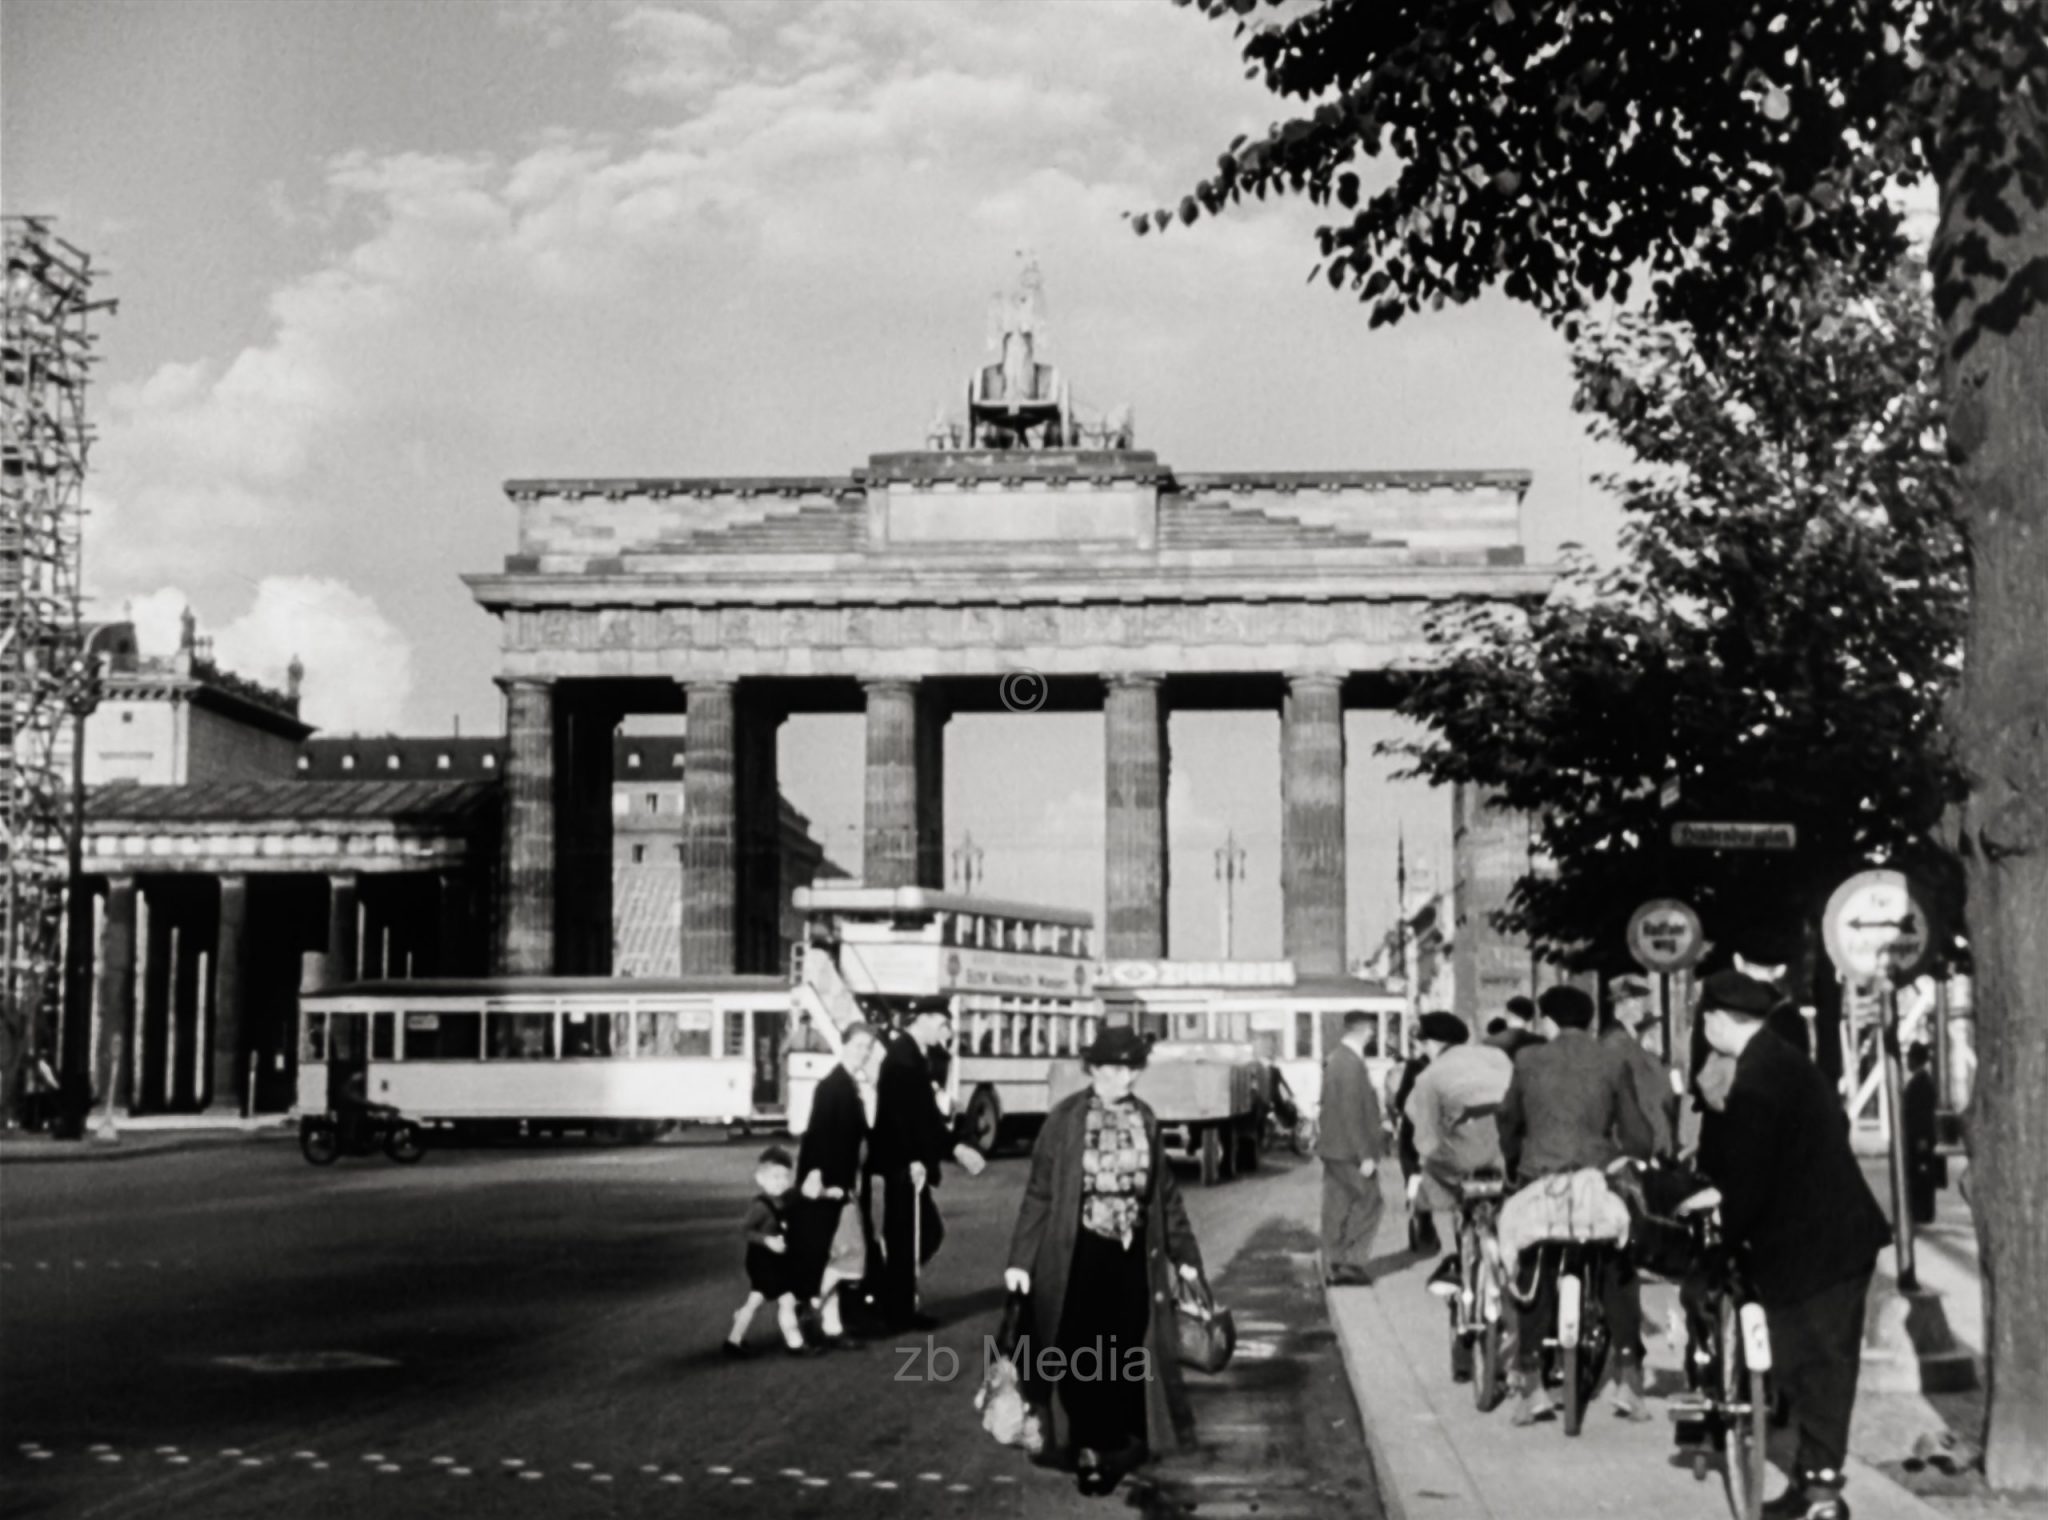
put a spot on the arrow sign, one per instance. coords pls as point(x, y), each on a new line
point(1876, 926)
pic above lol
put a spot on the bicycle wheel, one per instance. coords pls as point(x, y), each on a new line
point(319, 1144)
point(1746, 1408)
point(1571, 1309)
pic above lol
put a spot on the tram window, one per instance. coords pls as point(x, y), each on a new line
point(735, 1031)
point(520, 1036)
point(670, 1033)
point(313, 1037)
point(381, 1036)
point(444, 1036)
point(1393, 1032)
point(1372, 1039)
point(1189, 1026)
point(1304, 1036)
point(593, 1035)
point(347, 1036)
point(1089, 1026)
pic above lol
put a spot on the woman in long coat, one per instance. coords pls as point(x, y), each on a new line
point(1102, 1213)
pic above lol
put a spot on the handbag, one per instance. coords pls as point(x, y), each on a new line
point(1007, 1412)
point(1207, 1333)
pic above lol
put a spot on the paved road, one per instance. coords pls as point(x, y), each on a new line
point(535, 1332)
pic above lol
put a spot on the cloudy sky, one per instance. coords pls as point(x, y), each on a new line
point(374, 258)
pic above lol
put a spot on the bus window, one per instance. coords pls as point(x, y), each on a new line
point(1304, 1037)
point(313, 1037)
point(672, 1033)
point(1392, 1042)
point(1189, 1026)
point(1237, 1025)
point(519, 1036)
point(1091, 1025)
point(381, 1036)
point(594, 1035)
point(444, 1036)
point(735, 1031)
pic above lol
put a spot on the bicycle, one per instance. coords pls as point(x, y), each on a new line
point(1727, 1363)
point(1576, 1350)
point(1477, 1308)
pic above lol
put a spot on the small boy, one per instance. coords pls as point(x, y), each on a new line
point(769, 1271)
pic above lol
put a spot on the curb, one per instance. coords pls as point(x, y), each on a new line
point(81, 1152)
point(1429, 1472)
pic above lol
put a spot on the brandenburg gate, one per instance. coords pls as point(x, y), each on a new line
point(1025, 558)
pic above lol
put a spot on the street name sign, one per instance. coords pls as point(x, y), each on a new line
point(1875, 925)
point(1664, 935)
point(1735, 836)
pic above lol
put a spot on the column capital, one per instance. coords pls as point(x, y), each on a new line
point(344, 878)
point(1142, 679)
point(904, 684)
point(239, 880)
point(710, 686)
point(1298, 680)
point(508, 684)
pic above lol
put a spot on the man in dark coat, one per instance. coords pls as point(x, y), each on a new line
point(828, 1166)
point(1572, 1105)
point(1795, 1206)
point(1515, 1034)
point(1349, 1143)
point(911, 1140)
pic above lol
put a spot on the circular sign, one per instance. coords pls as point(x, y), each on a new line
point(1875, 925)
point(1664, 935)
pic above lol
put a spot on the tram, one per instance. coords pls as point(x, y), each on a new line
point(597, 1054)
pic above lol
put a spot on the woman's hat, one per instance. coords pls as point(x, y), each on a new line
point(1732, 992)
point(1118, 1045)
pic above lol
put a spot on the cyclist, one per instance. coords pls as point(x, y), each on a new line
point(1453, 1108)
point(1572, 1105)
point(1795, 1205)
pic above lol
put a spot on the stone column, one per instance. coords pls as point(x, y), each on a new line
point(451, 925)
point(757, 811)
point(114, 1073)
point(931, 788)
point(526, 908)
point(710, 832)
point(342, 928)
point(1134, 743)
point(586, 725)
point(889, 853)
point(153, 1057)
point(230, 957)
point(1312, 820)
point(187, 1014)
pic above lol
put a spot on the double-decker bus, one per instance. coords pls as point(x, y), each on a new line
point(599, 1054)
point(1014, 977)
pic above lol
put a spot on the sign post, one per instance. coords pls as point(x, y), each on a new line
point(1664, 935)
point(1877, 932)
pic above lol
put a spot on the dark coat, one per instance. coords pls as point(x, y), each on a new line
point(1348, 1117)
point(838, 1125)
point(1793, 1198)
point(1571, 1104)
point(1049, 1222)
point(908, 1124)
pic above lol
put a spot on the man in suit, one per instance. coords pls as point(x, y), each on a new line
point(911, 1139)
point(1795, 1206)
point(1656, 1095)
point(828, 1169)
point(1571, 1104)
point(1349, 1145)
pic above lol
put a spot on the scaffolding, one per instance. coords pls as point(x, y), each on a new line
point(45, 356)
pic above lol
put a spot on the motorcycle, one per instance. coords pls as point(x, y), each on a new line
point(323, 1137)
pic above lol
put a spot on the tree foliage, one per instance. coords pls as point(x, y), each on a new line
point(1779, 636)
point(1565, 150)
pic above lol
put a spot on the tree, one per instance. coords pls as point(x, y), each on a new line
point(1566, 150)
point(1778, 638)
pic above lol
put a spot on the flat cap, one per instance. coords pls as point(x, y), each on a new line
point(1447, 1027)
point(1118, 1045)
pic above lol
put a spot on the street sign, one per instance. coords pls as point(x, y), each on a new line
point(1735, 836)
point(1875, 926)
point(1664, 935)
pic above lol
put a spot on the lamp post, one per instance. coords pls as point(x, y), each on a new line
point(75, 1057)
point(967, 864)
point(1230, 859)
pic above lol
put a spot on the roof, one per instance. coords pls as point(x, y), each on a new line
point(555, 986)
point(264, 801)
point(1307, 987)
point(853, 897)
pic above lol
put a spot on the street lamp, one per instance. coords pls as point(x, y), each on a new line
point(1230, 859)
point(967, 864)
point(75, 1058)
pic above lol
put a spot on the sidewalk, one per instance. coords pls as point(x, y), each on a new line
point(1438, 1458)
point(144, 1137)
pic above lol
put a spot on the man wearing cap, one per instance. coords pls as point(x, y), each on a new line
point(1349, 1145)
point(1517, 1032)
point(909, 1142)
point(1572, 1105)
point(1795, 1206)
point(1655, 1093)
point(1456, 1137)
